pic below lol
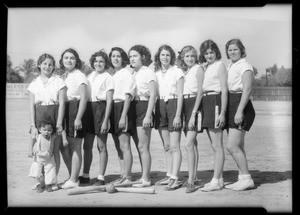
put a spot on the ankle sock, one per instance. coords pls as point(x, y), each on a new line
point(101, 177)
point(85, 175)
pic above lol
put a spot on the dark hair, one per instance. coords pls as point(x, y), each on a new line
point(78, 64)
point(42, 58)
point(239, 44)
point(209, 44)
point(46, 122)
point(125, 59)
point(157, 60)
point(102, 54)
point(180, 58)
point(143, 51)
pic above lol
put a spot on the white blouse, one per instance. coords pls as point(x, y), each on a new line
point(99, 84)
point(211, 80)
point(47, 94)
point(167, 81)
point(235, 72)
point(73, 80)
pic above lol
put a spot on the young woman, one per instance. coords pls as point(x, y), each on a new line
point(168, 112)
point(47, 100)
point(76, 83)
point(214, 104)
point(101, 90)
point(144, 103)
point(119, 60)
point(240, 112)
point(122, 116)
point(193, 78)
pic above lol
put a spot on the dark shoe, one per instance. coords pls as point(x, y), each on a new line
point(39, 188)
point(99, 183)
point(84, 180)
point(49, 188)
point(190, 188)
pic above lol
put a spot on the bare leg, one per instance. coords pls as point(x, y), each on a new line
point(88, 152)
point(144, 135)
point(165, 137)
point(101, 145)
point(75, 147)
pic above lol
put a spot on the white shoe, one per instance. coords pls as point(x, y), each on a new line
point(124, 180)
point(244, 185)
point(143, 183)
point(54, 187)
point(211, 186)
point(70, 184)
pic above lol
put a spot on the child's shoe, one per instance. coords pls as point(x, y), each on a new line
point(173, 185)
point(55, 187)
point(39, 188)
point(49, 188)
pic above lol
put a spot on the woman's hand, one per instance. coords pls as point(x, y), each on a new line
point(177, 123)
point(77, 124)
point(147, 122)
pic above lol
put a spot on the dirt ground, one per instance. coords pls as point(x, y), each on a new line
point(269, 152)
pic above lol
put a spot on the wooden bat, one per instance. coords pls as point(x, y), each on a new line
point(144, 190)
point(89, 189)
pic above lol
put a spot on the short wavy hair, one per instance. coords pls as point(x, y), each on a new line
point(239, 44)
point(44, 57)
point(180, 58)
point(78, 64)
point(124, 56)
point(102, 54)
point(143, 51)
point(157, 55)
point(209, 44)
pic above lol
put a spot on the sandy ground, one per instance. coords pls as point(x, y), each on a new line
point(268, 146)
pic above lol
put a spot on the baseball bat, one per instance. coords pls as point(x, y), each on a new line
point(145, 190)
point(89, 189)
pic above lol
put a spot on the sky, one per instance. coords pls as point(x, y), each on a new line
point(266, 31)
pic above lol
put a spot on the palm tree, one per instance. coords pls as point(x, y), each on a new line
point(28, 66)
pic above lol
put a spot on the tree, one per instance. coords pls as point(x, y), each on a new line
point(86, 69)
point(28, 66)
point(255, 71)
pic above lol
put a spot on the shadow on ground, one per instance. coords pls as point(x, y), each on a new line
point(230, 176)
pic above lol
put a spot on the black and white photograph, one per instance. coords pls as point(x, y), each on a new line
point(149, 107)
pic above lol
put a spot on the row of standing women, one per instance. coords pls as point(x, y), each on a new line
point(188, 94)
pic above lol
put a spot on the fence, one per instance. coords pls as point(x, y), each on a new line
point(258, 93)
point(272, 93)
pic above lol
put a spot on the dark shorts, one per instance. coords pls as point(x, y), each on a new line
point(165, 113)
point(187, 110)
point(46, 112)
point(87, 119)
point(208, 106)
point(116, 116)
point(140, 109)
point(249, 112)
point(98, 109)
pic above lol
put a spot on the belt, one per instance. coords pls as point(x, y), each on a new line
point(207, 93)
point(46, 103)
point(237, 92)
point(186, 96)
point(140, 98)
point(169, 97)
